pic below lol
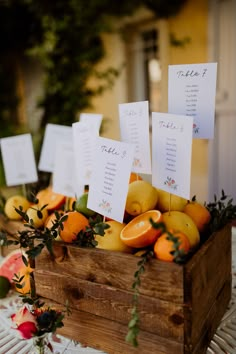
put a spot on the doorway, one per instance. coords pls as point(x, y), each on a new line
point(222, 45)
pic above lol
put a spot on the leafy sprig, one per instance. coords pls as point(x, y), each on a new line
point(179, 257)
point(45, 236)
point(87, 237)
point(178, 253)
point(222, 211)
point(133, 325)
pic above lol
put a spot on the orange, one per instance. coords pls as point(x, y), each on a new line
point(74, 223)
point(178, 220)
point(199, 213)
point(163, 246)
point(52, 218)
point(49, 197)
point(139, 233)
point(25, 271)
point(134, 177)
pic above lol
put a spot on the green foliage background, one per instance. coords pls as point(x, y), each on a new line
point(66, 36)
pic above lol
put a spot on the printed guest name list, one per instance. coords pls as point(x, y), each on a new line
point(172, 148)
point(111, 170)
point(191, 92)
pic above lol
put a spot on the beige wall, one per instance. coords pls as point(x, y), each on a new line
point(107, 104)
point(191, 23)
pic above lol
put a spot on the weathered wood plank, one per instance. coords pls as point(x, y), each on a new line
point(162, 280)
point(156, 316)
point(109, 336)
point(213, 319)
point(205, 277)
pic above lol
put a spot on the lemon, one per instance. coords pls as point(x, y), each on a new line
point(5, 286)
point(179, 221)
point(168, 201)
point(13, 202)
point(34, 214)
point(111, 240)
point(141, 197)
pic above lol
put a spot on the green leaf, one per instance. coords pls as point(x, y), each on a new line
point(25, 260)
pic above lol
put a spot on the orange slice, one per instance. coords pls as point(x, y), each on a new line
point(139, 233)
point(53, 200)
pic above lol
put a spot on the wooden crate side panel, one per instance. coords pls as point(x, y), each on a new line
point(109, 336)
point(161, 280)
point(213, 319)
point(156, 316)
point(205, 277)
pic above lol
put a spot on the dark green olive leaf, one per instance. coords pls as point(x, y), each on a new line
point(39, 214)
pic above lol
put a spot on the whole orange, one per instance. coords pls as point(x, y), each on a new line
point(163, 246)
point(139, 232)
point(199, 214)
point(74, 223)
point(26, 273)
point(51, 219)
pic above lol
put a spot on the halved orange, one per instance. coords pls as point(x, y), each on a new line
point(139, 233)
point(53, 200)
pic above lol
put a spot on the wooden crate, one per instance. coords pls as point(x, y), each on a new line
point(180, 306)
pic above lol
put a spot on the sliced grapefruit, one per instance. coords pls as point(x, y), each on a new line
point(12, 264)
point(139, 233)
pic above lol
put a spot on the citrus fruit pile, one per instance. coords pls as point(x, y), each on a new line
point(145, 206)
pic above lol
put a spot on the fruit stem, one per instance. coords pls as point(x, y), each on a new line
point(67, 203)
point(24, 192)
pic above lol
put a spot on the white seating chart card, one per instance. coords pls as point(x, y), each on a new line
point(191, 92)
point(93, 118)
point(110, 178)
point(171, 153)
point(19, 160)
point(64, 181)
point(134, 129)
point(53, 133)
point(84, 138)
